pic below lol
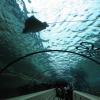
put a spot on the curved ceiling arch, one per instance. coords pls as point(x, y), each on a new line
point(38, 52)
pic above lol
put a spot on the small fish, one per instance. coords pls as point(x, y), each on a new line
point(34, 25)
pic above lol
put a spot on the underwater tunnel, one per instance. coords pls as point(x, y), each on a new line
point(45, 43)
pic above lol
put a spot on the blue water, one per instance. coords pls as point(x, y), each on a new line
point(70, 23)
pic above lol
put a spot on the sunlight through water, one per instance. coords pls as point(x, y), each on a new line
point(66, 19)
point(70, 22)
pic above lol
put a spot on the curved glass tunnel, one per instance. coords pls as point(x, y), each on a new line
point(68, 50)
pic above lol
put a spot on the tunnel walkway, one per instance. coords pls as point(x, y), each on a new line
point(51, 95)
point(44, 95)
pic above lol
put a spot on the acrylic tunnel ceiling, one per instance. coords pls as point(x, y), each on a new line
point(68, 49)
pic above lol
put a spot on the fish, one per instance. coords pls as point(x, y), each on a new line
point(34, 25)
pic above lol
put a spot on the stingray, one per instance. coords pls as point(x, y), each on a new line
point(32, 24)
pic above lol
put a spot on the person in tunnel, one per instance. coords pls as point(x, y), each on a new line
point(68, 92)
point(32, 24)
point(60, 91)
point(71, 91)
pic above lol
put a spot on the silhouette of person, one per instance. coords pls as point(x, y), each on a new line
point(68, 92)
point(60, 93)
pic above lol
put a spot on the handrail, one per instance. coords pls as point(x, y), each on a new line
point(43, 95)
